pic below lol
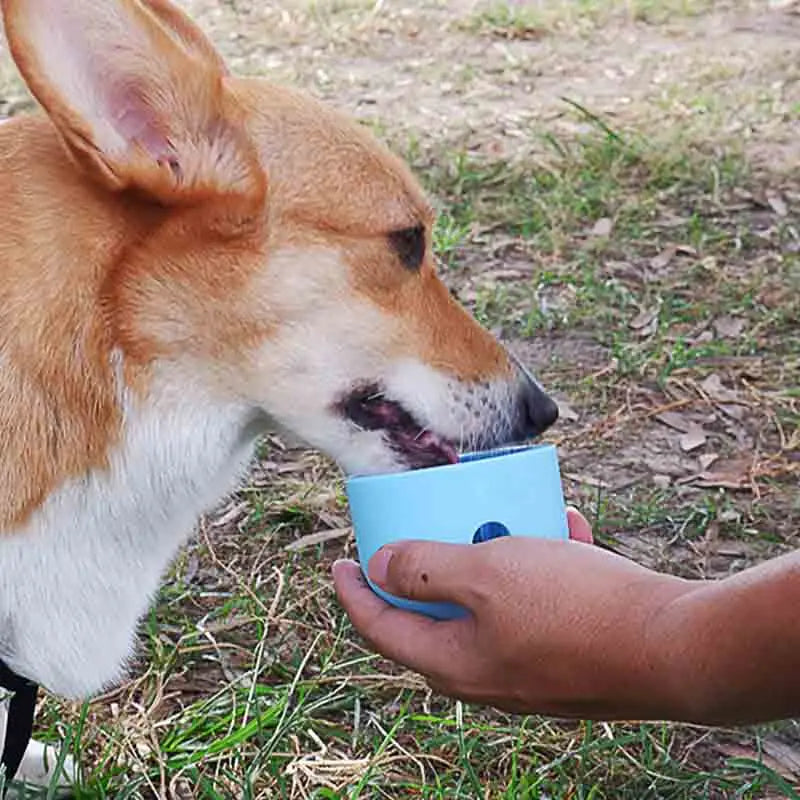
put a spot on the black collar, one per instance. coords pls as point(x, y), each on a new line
point(19, 722)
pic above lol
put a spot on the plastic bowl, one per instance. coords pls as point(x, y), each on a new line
point(509, 492)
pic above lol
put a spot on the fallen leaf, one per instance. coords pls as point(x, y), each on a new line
point(603, 227)
point(707, 459)
point(719, 480)
point(309, 540)
point(729, 327)
point(493, 275)
point(693, 438)
point(785, 755)
point(566, 412)
point(775, 755)
point(235, 512)
point(777, 204)
point(662, 481)
point(667, 464)
point(662, 260)
point(714, 388)
point(587, 480)
point(644, 319)
point(727, 474)
point(674, 420)
point(729, 515)
point(686, 250)
point(733, 411)
point(702, 338)
point(731, 550)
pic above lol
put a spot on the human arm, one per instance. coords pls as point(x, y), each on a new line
point(566, 629)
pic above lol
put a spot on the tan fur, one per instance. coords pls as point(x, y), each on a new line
point(125, 254)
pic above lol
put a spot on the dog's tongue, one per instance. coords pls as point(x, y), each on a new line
point(421, 447)
point(424, 449)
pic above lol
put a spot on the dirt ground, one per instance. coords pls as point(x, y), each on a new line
point(666, 321)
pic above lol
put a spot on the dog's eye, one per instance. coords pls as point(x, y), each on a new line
point(409, 244)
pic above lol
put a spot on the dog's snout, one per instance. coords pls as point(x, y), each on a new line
point(537, 409)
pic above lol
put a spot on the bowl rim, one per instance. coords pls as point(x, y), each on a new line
point(468, 460)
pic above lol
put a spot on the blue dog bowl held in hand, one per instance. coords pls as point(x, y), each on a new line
point(509, 492)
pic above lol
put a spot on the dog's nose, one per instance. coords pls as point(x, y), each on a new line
point(538, 410)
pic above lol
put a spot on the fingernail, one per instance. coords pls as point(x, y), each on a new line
point(342, 563)
point(378, 568)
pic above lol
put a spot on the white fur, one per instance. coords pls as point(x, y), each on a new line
point(330, 340)
point(86, 565)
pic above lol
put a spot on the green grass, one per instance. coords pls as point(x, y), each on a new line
point(308, 723)
point(523, 20)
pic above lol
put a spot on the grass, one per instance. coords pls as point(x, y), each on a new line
point(251, 683)
point(518, 19)
point(631, 266)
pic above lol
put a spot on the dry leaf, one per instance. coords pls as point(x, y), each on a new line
point(719, 480)
point(735, 412)
point(702, 338)
point(785, 755)
point(586, 480)
point(777, 204)
point(727, 474)
point(667, 464)
point(777, 756)
point(493, 275)
point(713, 387)
point(309, 540)
point(729, 327)
point(693, 438)
point(662, 481)
point(645, 321)
point(566, 412)
point(674, 420)
point(729, 515)
point(686, 250)
point(603, 227)
point(662, 260)
point(706, 460)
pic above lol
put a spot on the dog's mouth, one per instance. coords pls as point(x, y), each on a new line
point(370, 410)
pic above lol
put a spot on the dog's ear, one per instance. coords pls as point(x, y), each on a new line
point(187, 32)
point(136, 91)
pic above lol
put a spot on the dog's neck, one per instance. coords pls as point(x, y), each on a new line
point(108, 463)
point(81, 571)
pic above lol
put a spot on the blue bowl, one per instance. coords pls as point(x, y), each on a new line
point(509, 492)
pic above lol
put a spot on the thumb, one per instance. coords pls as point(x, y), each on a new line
point(429, 571)
point(579, 528)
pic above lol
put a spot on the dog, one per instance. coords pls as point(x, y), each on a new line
point(189, 259)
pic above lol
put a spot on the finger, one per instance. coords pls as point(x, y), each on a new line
point(431, 571)
point(354, 592)
point(425, 645)
point(579, 528)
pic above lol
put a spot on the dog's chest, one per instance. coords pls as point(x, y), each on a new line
point(80, 574)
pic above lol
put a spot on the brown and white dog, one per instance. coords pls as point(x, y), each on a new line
point(186, 259)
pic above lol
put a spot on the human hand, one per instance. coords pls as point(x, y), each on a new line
point(555, 627)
